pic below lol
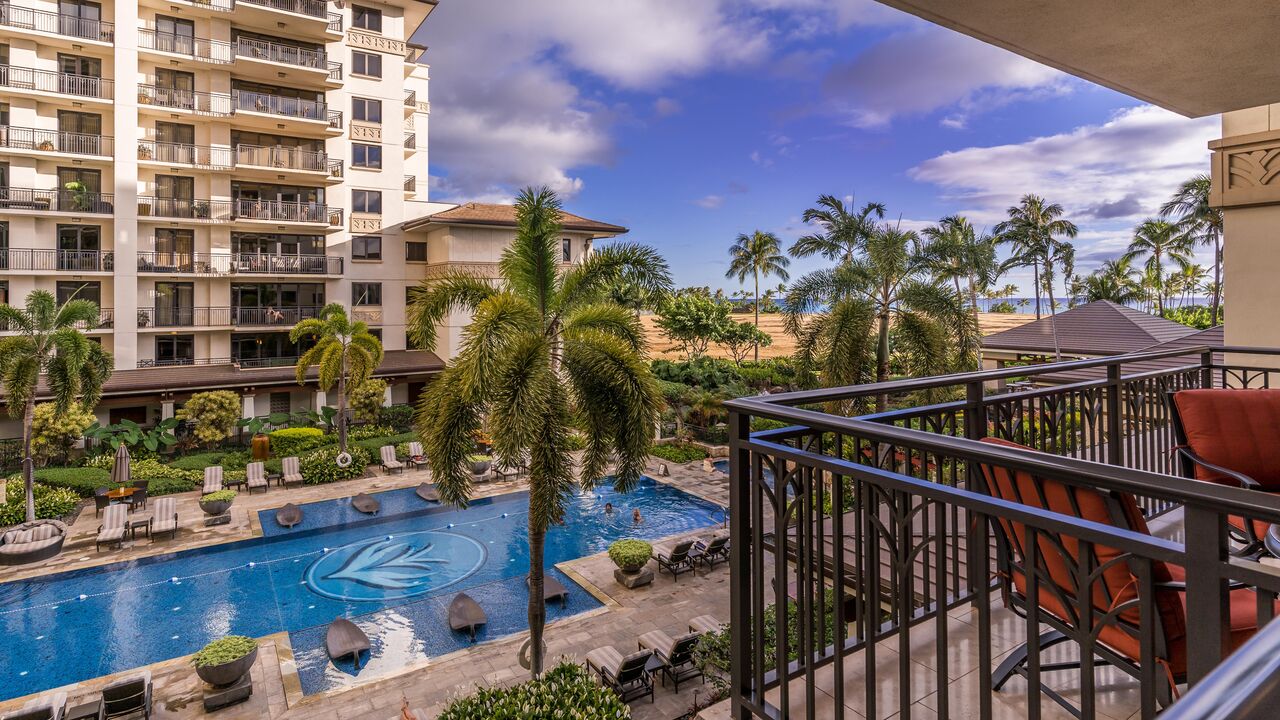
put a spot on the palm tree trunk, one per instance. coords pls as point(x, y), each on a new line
point(882, 359)
point(537, 604)
point(28, 462)
point(1217, 278)
point(1036, 269)
point(977, 317)
point(342, 407)
point(1053, 323)
point(757, 345)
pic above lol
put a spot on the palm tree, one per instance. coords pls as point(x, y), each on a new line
point(48, 343)
point(346, 352)
point(1159, 240)
point(1190, 209)
point(843, 230)
point(1187, 280)
point(1114, 281)
point(849, 341)
point(956, 252)
point(546, 352)
point(757, 254)
point(1034, 228)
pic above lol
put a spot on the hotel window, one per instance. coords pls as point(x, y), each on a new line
point(4, 292)
point(366, 18)
point(366, 247)
point(366, 201)
point(367, 64)
point(366, 293)
point(175, 349)
point(366, 110)
point(366, 156)
point(566, 249)
point(415, 251)
point(77, 290)
point(280, 402)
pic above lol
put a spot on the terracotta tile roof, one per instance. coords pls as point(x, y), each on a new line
point(1213, 337)
point(505, 215)
point(185, 378)
point(1096, 328)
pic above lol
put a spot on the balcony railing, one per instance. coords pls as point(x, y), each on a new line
point(229, 210)
point(239, 363)
point(279, 156)
point(180, 316)
point(335, 168)
point(105, 321)
point(314, 8)
point(237, 264)
point(877, 525)
point(195, 101)
point(410, 98)
point(335, 70)
point(335, 23)
point(202, 156)
point(57, 260)
point(218, 5)
point(410, 141)
point(22, 138)
point(68, 201)
point(204, 49)
point(15, 16)
point(410, 183)
point(247, 101)
point(281, 53)
point(23, 78)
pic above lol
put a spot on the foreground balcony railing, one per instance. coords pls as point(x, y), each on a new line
point(22, 138)
point(179, 316)
point(15, 16)
point(238, 363)
point(57, 260)
point(230, 210)
point(24, 78)
point(69, 201)
point(237, 264)
point(277, 156)
point(878, 526)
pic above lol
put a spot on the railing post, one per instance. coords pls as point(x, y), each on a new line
point(1208, 608)
point(1206, 369)
point(1115, 418)
point(739, 560)
point(975, 428)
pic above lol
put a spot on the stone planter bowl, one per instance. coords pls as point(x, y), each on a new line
point(215, 507)
point(481, 467)
point(227, 673)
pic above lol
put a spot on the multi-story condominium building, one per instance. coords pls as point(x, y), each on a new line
point(212, 171)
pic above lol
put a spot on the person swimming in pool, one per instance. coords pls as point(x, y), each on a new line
point(635, 517)
point(608, 508)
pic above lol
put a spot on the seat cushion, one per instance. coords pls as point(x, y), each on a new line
point(657, 641)
point(605, 658)
point(1235, 429)
point(705, 624)
point(113, 533)
point(164, 525)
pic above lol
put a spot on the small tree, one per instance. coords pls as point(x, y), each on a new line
point(345, 352)
point(367, 398)
point(214, 413)
point(740, 338)
point(54, 432)
point(693, 319)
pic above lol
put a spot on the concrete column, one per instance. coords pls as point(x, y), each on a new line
point(166, 409)
point(321, 401)
point(386, 397)
point(125, 187)
point(248, 408)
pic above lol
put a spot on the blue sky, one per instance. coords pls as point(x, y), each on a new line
point(692, 122)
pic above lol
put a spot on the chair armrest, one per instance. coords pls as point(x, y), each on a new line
point(1244, 480)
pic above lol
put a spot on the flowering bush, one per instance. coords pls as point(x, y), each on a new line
point(214, 413)
point(51, 502)
point(565, 691)
point(53, 433)
point(320, 466)
point(297, 440)
point(366, 399)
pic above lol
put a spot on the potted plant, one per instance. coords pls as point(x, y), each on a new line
point(144, 318)
point(45, 145)
point(480, 464)
point(260, 445)
point(144, 152)
point(217, 503)
point(225, 660)
point(631, 556)
point(200, 209)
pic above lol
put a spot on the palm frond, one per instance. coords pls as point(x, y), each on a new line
point(495, 322)
point(435, 299)
point(630, 263)
point(608, 318)
point(445, 420)
point(529, 264)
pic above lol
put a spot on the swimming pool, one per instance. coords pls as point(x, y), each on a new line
point(392, 574)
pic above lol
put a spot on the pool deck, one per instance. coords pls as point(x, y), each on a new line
point(666, 605)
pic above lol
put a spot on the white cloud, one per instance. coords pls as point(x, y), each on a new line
point(709, 202)
point(921, 70)
point(666, 107)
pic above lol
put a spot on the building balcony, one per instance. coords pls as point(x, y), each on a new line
point(34, 141)
point(203, 50)
point(262, 60)
point(273, 159)
point(164, 318)
point(165, 100)
point(238, 363)
point(410, 183)
point(196, 156)
point(924, 563)
point(309, 19)
point(237, 211)
point(44, 23)
point(226, 264)
point(39, 202)
point(41, 260)
point(267, 162)
point(203, 8)
point(49, 84)
point(410, 143)
point(273, 107)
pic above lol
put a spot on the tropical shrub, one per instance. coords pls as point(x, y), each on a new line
point(741, 338)
point(198, 461)
point(51, 502)
point(679, 453)
point(765, 374)
point(692, 319)
point(364, 432)
point(214, 415)
point(1196, 316)
point(399, 417)
point(366, 400)
point(294, 441)
point(100, 460)
point(1003, 307)
point(703, 372)
point(565, 691)
point(575, 441)
point(224, 650)
point(54, 432)
point(319, 467)
point(763, 423)
point(235, 460)
point(219, 496)
point(171, 485)
point(374, 445)
point(630, 554)
point(164, 479)
point(82, 480)
point(141, 442)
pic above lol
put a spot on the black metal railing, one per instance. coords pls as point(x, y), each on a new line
point(226, 210)
point(282, 157)
point(410, 98)
point(237, 264)
point(271, 51)
point(204, 156)
point(238, 363)
point(220, 316)
point(872, 526)
point(314, 8)
point(196, 48)
point(410, 141)
point(57, 260)
point(15, 16)
point(218, 5)
point(24, 78)
point(186, 208)
point(69, 201)
point(335, 23)
point(205, 103)
point(23, 138)
point(248, 101)
point(105, 321)
point(410, 183)
point(335, 119)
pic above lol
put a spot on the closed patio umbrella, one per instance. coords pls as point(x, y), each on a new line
point(120, 470)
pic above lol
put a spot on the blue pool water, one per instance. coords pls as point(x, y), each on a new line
point(393, 575)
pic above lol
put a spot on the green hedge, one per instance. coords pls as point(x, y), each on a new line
point(374, 445)
point(295, 441)
point(565, 691)
point(318, 466)
point(51, 502)
point(199, 461)
point(678, 452)
point(80, 480)
point(365, 432)
point(397, 417)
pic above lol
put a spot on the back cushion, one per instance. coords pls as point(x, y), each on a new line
point(1235, 429)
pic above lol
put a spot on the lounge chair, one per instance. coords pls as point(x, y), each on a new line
point(255, 476)
point(32, 542)
point(45, 707)
point(101, 501)
point(705, 624)
point(128, 698)
point(165, 519)
point(710, 553)
point(676, 560)
point(289, 515)
point(428, 492)
point(115, 521)
point(626, 676)
point(416, 456)
point(552, 589)
point(291, 473)
point(389, 461)
point(366, 503)
point(212, 479)
point(466, 615)
point(676, 655)
point(345, 638)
